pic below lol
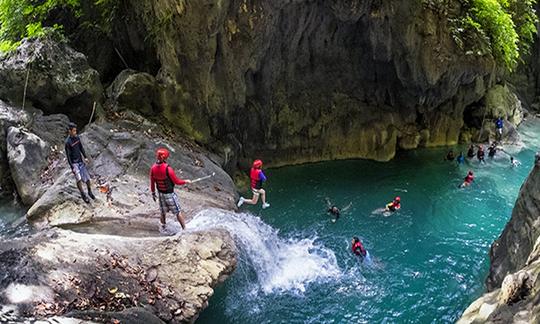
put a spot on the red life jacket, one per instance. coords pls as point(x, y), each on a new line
point(358, 246)
point(469, 179)
point(256, 182)
point(160, 174)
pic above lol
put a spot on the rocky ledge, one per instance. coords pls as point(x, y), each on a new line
point(106, 260)
point(513, 282)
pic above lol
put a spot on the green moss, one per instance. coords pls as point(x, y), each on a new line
point(33, 19)
point(504, 29)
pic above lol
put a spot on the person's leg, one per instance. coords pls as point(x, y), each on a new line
point(89, 187)
point(181, 219)
point(263, 196)
point(253, 200)
point(81, 190)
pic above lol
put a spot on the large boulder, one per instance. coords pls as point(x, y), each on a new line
point(27, 155)
point(101, 277)
point(9, 116)
point(121, 154)
point(59, 78)
point(29, 145)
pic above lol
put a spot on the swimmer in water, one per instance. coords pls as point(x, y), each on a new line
point(335, 211)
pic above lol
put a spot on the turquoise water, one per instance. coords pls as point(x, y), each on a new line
point(429, 260)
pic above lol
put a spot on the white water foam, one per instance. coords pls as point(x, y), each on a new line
point(280, 264)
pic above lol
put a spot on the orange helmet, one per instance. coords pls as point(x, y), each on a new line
point(257, 164)
point(162, 154)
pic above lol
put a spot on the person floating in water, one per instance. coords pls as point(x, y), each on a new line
point(470, 152)
point(499, 123)
point(450, 156)
point(480, 155)
point(76, 157)
point(257, 179)
point(163, 177)
point(492, 150)
point(514, 162)
point(335, 211)
point(357, 248)
point(460, 159)
point(395, 205)
point(468, 179)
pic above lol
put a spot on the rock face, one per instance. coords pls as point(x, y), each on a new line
point(299, 81)
point(29, 142)
point(121, 154)
point(59, 79)
point(132, 90)
point(513, 280)
point(63, 273)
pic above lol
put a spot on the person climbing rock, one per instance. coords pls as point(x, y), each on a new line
point(357, 247)
point(335, 211)
point(460, 159)
point(492, 150)
point(499, 124)
point(514, 162)
point(480, 155)
point(468, 179)
point(77, 159)
point(258, 178)
point(163, 177)
point(470, 152)
point(450, 156)
point(394, 205)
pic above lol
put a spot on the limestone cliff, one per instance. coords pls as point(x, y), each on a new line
point(513, 282)
point(297, 81)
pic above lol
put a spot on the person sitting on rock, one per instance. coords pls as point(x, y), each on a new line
point(76, 157)
point(257, 179)
point(468, 179)
point(163, 177)
point(450, 156)
point(470, 152)
point(481, 154)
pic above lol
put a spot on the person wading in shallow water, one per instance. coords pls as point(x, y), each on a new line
point(257, 180)
point(163, 177)
point(76, 157)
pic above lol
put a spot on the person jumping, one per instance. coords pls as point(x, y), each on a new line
point(163, 176)
point(257, 179)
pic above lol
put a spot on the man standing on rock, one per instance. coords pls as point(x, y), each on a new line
point(76, 158)
point(163, 176)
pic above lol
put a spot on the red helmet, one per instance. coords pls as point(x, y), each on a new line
point(257, 164)
point(397, 199)
point(162, 154)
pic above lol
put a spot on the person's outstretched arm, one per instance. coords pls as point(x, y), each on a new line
point(262, 176)
point(175, 179)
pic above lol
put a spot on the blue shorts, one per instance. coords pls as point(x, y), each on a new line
point(80, 172)
point(168, 202)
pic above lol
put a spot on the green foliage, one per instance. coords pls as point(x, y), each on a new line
point(32, 18)
point(503, 28)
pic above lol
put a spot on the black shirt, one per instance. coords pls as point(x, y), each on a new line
point(74, 150)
